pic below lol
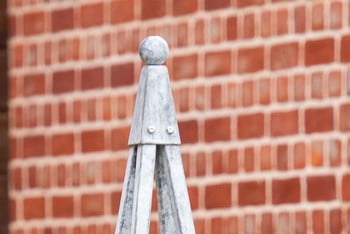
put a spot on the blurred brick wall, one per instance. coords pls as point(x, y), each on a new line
point(4, 145)
point(261, 90)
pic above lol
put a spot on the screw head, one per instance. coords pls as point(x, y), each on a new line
point(151, 129)
point(170, 129)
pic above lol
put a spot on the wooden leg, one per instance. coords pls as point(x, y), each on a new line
point(126, 201)
point(173, 202)
point(135, 206)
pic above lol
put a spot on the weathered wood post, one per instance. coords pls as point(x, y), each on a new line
point(154, 146)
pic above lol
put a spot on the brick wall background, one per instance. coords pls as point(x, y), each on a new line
point(261, 89)
point(4, 144)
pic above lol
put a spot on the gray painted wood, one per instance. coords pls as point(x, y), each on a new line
point(135, 205)
point(154, 107)
point(154, 143)
point(173, 201)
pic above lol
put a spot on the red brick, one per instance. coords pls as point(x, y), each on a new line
point(217, 129)
point(251, 193)
point(231, 92)
point(31, 54)
point(300, 222)
point(267, 223)
point(217, 162)
point(122, 11)
point(183, 96)
point(335, 221)
point(345, 117)
point(282, 157)
point(282, 21)
point(13, 29)
point(193, 193)
point(32, 175)
point(218, 196)
point(33, 23)
point(247, 3)
point(200, 164)
point(299, 155)
point(216, 101)
point(319, 51)
point(15, 178)
point(34, 84)
point(249, 159)
point(250, 59)
point(188, 131)
point(317, 17)
point(62, 19)
point(33, 208)
point(62, 206)
point(63, 81)
point(181, 7)
point(265, 157)
point(284, 123)
point(62, 113)
point(286, 191)
point(185, 66)
point(319, 119)
point(300, 19)
point(299, 87)
point(264, 91)
point(214, 5)
point(317, 153)
point(250, 125)
point(92, 140)
point(33, 145)
point(282, 88)
point(182, 35)
point(317, 85)
point(92, 205)
point(284, 55)
point(152, 9)
point(345, 187)
point(63, 143)
point(334, 84)
point(265, 23)
point(345, 48)
point(92, 78)
point(218, 225)
point(248, 26)
point(334, 152)
point(115, 200)
point(217, 63)
point(17, 55)
point(336, 15)
point(231, 27)
point(119, 138)
point(232, 161)
point(91, 15)
point(214, 26)
point(247, 93)
point(199, 32)
point(122, 74)
point(320, 188)
point(318, 221)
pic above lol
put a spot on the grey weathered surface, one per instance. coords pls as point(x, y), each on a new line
point(173, 202)
point(154, 50)
point(154, 145)
point(154, 107)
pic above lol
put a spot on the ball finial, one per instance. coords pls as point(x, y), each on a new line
point(154, 50)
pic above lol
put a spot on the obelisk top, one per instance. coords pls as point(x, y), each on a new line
point(154, 50)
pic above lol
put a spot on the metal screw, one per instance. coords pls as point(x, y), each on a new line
point(170, 129)
point(151, 129)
